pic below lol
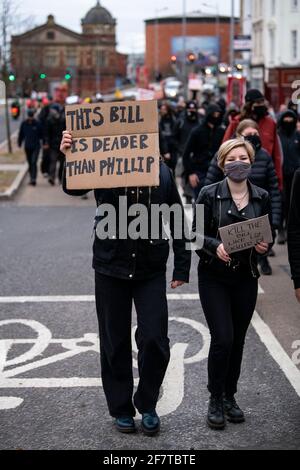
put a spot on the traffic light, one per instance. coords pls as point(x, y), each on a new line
point(173, 59)
point(68, 75)
point(191, 58)
point(43, 76)
point(11, 77)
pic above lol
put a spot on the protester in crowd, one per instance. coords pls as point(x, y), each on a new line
point(262, 174)
point(134, 270)
point(228, 284)
point(203, 143)
point(31, 134)
point(182, 131)
point(166, 128)
point(294, 234)
point(231, 113)
point(290, 142)
point(255, 108)
point(43, 116)
point(55, 125)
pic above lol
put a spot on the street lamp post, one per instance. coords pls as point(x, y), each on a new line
point(232, 35)
point(156, 39)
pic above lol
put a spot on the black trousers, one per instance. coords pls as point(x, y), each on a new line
point(228, 306)
point(56, 156)
point(32, 156)
point(45, 164)
point(114, 299)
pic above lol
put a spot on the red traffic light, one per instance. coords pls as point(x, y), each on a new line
point(173, 59)
point(191, 58)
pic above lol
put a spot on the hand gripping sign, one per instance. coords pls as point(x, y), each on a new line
point(114, 145)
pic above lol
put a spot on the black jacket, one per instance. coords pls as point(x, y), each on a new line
point(262, 174)
point(220, 211)
point(166, 130)
point(30, 133)
point(294, 231)
point(202, 145)
point(142, 258)
point(290, 145)
point(182, 131)
point(54, 127)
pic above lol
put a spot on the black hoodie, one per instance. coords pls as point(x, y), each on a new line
point(203, 143)
point(294, 231)
point(290, 142)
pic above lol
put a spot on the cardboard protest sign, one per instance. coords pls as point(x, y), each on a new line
point(114, 145)
point(244, 235)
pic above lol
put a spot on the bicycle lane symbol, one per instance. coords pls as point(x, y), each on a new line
point(11, 369)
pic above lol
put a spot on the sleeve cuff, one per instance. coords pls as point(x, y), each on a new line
point(180, 276)
point(297, 283)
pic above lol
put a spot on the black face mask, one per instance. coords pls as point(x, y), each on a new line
point(260, 111)
point(288, 127)
point(254, 141)
point(191, 115)
point(215, 121)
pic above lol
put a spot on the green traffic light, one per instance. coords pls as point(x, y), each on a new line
point(68, 76)
point(11, 77)
point(43, 76)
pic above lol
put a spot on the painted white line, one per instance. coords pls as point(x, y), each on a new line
point(285, 363)
point(83, 298)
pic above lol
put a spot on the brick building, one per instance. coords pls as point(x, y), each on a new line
point(90, 57)
point(162, 34)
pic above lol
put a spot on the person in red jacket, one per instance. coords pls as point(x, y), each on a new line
point(255, 108)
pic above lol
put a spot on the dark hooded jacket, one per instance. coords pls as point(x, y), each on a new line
point(294, 231)
point(202, 144)
point(290, 142)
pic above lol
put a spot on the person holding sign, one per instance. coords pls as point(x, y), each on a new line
point(294, 234)
point(228, 284)
point(126, 271)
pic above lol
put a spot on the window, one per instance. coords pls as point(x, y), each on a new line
point(272, 46)
point(50, 35)
point(273, 7)
point(294, 45)
point(295, 5)
point(51, 60)
point(100, 58)
point(71, 58)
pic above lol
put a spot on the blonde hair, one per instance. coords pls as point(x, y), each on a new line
point(247, 123)
point(233, 144)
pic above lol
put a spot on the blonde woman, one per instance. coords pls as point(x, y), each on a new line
point(228, 285)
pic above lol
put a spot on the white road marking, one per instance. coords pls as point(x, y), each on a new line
point(285, 363)
point(84, 298)
point(173, 385)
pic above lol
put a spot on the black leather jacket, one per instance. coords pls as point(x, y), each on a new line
point(219, 211)
point(142, 258)
point(294, 231)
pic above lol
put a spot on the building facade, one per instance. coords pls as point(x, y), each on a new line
point(162, 35)
point(275, 59)
point(50, 54)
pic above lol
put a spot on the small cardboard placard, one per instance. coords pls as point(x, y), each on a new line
point(114, 145)
point(245, 235)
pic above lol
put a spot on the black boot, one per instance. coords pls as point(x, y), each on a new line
point(215, 415)
point(232, 410)
point(265, 267)
point(281, 239)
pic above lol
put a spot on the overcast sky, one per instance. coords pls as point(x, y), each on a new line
point(129, 14)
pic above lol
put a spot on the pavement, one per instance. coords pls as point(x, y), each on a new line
point(51, 395)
